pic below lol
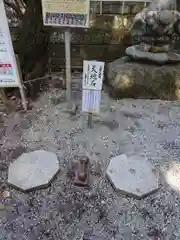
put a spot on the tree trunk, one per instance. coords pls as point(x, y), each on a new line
point(178, 5)
point(33, 38)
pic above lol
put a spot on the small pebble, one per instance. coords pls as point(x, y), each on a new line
point(6, 194)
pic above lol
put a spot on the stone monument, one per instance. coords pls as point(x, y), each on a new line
point(155, 28)
point(151, 66)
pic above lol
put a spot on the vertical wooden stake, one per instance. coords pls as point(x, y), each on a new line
point(21, 87)
point(23, 97)
point(89, 120)
point(100, 7)
point(68, 66)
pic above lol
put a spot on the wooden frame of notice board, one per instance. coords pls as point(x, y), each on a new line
point(67, 15)
point(10, 72)
point(62, 13)
point(19, 85)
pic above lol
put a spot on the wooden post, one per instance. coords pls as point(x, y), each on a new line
point(23, 97)
point(89, 120)
point(68, 66)
point(122, 10)
point(21, 87)
point(100, 10)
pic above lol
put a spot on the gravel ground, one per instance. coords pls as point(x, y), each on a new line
point(63, 211)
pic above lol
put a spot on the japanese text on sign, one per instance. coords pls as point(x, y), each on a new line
point(66, 19)
point(67, 13)
point(91, 101)
point(93, 73)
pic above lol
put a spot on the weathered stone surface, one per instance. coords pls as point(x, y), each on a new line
point(156, 26)
point(130, 79)
point(159, 58)
point(160, 5)
point(156, 5)
point(166, 17)
point(32, 170)
point(132, 175)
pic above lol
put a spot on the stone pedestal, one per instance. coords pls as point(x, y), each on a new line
point(129, 79)
point(159, 58)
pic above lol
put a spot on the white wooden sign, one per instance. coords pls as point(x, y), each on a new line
point(9, 75)
point(93, 73)
point(9, 68)
point(66, 13)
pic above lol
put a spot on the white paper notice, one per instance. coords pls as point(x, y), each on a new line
point(66, 13)
point(9, 76)
point(93, 73)
point(91, 101)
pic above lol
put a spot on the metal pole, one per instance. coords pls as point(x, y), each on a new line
point(68, 66)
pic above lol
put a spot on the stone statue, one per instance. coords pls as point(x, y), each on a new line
point(155, 28)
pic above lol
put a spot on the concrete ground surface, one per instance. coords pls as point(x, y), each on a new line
point(150, 128)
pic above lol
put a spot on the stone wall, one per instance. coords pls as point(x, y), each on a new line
point(106, 40)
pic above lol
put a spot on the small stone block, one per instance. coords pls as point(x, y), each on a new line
point(33, 170)
point(132, 175)
point(82, 172)
point(71, 109)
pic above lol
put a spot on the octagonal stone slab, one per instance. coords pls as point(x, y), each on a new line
point(132, 175)
point(33, 170)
